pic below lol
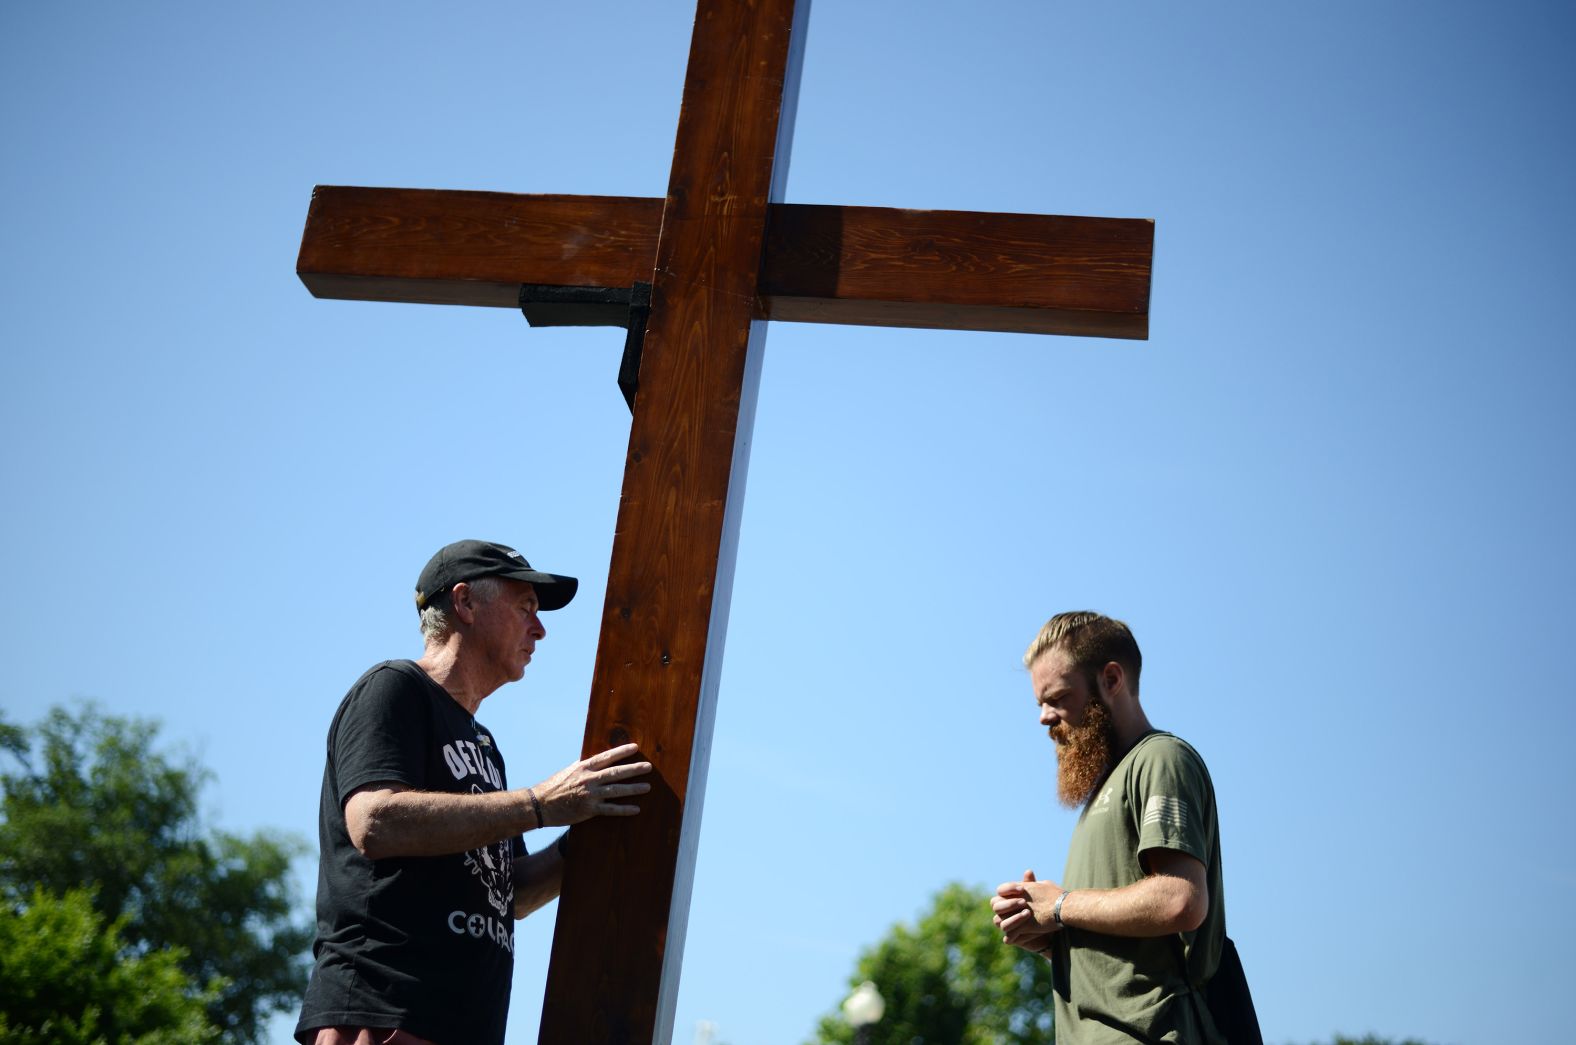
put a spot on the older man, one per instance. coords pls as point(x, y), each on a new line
point(1136, 928)
point(423, 868)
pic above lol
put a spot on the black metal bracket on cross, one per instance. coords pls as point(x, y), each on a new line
point(544, 305)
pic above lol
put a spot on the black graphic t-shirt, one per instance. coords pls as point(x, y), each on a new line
point(421, 943)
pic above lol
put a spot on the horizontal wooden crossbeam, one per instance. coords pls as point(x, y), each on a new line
point(960, 270)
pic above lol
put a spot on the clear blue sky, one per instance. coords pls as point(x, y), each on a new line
point(1332, 493)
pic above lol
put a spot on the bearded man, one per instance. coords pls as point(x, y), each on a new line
point(1137, 927)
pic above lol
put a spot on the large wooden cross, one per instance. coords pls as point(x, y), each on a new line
point(721, 255)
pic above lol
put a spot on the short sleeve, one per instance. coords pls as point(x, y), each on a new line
point(380, 734)
point(1172, 798)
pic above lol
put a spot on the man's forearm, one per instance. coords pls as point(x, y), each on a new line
point(1157, 905)
point(431, 823)
point(537, 879)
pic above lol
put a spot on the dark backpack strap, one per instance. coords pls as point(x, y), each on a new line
point(1230, 1002)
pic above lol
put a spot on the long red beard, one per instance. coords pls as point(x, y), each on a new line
point(1083, 754)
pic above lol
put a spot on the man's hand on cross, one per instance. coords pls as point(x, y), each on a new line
point(584, 789)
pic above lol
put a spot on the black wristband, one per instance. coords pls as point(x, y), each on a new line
point(536, 807)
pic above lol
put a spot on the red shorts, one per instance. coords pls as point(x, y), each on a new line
point(366, 1036)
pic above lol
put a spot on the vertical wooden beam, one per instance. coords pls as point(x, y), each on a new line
point(619, 940)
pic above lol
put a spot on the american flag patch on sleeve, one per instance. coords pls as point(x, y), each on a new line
point(1170, 813)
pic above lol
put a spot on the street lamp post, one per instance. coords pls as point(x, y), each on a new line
point(863, 1009)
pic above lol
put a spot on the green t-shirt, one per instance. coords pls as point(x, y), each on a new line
point(1114, 989)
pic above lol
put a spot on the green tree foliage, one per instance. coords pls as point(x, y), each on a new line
point(70, 980)
point(951, 981)
point(93, 810)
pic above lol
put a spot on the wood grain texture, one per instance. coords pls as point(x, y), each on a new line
point(621, 916)
point(959, 270)
point(471, 248)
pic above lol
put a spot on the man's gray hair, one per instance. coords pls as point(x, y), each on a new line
point(435, 622)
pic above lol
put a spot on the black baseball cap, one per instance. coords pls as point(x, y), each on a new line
point(468, 560)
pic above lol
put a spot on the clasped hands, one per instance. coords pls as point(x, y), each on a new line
point(1023, 912)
